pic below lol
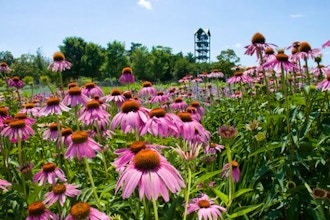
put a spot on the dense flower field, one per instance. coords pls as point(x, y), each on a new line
point(252, 146)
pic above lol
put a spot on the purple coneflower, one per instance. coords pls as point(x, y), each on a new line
point(198, 107)
point(38, 211)
point(147, 89)
point(178, 105)
point(239, 77)
point(207, 209)
point(197, 80)
point(60, 192)
point(237, 94)
point(59, 63)
point(48, 174)
point(4, 184)
point(127, 95)
point(250, 71)
point(161, 123)
point(131, 118)
point(51, 134)
point(90, 89)
point(92, 112)
point(75, 97)
point(160, 97)
point(215, 74)
point(305, 51)
point(66, 136)
point(30, 109)
point(320, 70)
point(258, 45)
point(269, 54)
point(212, 148)
point(103, 104)
point(82, 146)
point(4, 67)
point(115, 97)
point(4, 113)
point(281, 61)
point(126, 155)
point(152, 173)
point(15, 82)
point(324, 85)
point(235, 170)
point(126, 76)
point(227, 132)
point(191, 129)
point(194, 114)
point(53, 107)
point(83, 210)
point(17, 129)
point(72, 84)
point(23, 116)
point(172, 92)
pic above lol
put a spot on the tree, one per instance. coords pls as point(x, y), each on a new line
point(182, 67)
point(141, 64)
point(74, 49)
point(226, 60)
point(115, 60)
point(161, 63)
point(92, 60)
point(6, 56)
point(24, 66)
point(41, 63)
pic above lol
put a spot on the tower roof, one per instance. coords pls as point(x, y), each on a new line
point(205, 30)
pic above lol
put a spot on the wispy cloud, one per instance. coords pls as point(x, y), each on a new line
point(145, 4)
point(296, 15)
point(238, 45)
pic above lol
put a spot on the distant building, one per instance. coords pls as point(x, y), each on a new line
point(202, 45)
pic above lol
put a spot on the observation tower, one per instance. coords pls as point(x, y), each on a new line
point(202, 45)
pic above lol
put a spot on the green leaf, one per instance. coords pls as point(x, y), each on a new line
point(108, 188)
point(264, 149)
point(221, 195)
point(205, 177)
point(244, 210)
point(241, 192)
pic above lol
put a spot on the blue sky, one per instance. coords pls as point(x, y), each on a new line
point(26, 26)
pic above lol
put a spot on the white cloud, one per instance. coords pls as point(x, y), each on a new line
point(238, 45)
point(145, 4)
point(296, 15)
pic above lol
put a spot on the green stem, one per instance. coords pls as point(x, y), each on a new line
point(154, 204)
point(230, 176)
point(265, 79)
point(307, 72)
point(287, 106)
point(146, 209)
point(103, 156)
point(61, 83)
point(19, 146)
point(76, 117)
point(92, 182)
point(19, 98)
point(187, 194)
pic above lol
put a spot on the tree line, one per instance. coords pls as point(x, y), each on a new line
point(159, 64)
